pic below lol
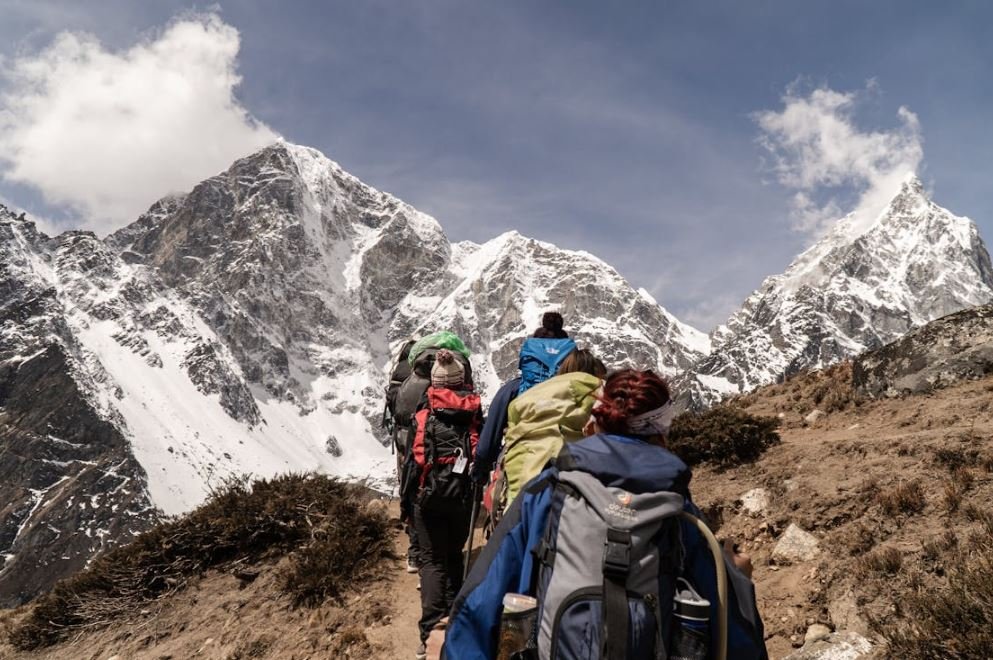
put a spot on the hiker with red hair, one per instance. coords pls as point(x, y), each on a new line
point(603, 554)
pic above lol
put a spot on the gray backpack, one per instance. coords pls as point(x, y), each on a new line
point(606, 571)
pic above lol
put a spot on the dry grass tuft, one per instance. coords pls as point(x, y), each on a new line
point(884, 561)
point(956, 620)
point(906, 498)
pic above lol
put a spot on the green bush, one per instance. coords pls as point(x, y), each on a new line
point(722, 436)
point(241, 522)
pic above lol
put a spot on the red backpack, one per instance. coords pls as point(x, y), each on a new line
point(446, 432)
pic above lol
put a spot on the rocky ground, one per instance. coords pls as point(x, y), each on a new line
point(852, 510)
point(843, 519)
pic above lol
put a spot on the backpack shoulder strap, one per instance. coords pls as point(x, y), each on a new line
point(616, 566)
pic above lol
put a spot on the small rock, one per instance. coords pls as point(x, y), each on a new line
point(844, 613)
point(755, 502)
point(816, 632)
point(814, 416)
point(333, 447)
point(854, 426)
point(790, 485)
point(836, 646)
point(795, 545)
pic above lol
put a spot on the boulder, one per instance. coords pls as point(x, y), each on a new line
point(953, 348)
point(795, 545)
point(755, 502)
point(836, 646)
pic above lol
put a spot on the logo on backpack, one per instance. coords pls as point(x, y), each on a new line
point(540, 360)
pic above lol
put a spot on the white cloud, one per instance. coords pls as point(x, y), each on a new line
point(108, 133)
point(818, 150)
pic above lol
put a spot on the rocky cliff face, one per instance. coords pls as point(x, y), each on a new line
point(953, 348)
point(70, 484)
point(247, 327)
point(851, 291)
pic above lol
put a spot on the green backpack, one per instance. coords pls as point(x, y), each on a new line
point(539, 422)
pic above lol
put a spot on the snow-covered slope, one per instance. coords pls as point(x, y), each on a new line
point(246, 327)
point(851, 291)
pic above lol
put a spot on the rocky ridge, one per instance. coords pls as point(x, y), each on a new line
point(851, 291)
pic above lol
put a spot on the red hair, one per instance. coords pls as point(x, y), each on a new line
point(627, 393)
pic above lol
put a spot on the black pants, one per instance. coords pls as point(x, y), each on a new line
point(441, 538)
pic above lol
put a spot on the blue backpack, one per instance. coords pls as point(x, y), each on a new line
point(540, 360)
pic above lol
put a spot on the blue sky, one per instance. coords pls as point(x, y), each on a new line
point(627, 129)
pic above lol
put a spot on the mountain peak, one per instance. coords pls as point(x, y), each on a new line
point(857, 288)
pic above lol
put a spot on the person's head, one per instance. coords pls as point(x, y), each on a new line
point(447, 370)
point(551, 327)
point(582, 359)
point(634, 403)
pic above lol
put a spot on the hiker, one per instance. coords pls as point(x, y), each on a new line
point(408, 398)
point(437, 491)
point(540, 357)
point(401, 372)
point(540, 421)
point(599, 540)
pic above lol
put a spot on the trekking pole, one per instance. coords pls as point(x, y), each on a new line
point(476, 496)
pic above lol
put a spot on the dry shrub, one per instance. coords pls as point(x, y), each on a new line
point(953, 621)
point(908, 498)
point(954, 458)
point(952, 496)
point(858, 539)
point(884, 561)
point(722, 436)
point(936, 547)
point(239, 523)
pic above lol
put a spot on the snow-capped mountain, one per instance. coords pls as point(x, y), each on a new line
point(246, 327)
point(853, 290)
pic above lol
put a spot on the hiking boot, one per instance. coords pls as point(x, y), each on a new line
point(422, 652)
point(412, 566)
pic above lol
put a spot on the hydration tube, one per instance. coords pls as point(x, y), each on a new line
point(722, 584)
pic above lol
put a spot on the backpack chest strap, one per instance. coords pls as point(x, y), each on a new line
point(616, 566)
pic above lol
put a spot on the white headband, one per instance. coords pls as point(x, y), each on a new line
point(653, 422)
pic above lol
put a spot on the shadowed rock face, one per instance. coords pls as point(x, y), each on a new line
point(69, 485)
point(953, 348)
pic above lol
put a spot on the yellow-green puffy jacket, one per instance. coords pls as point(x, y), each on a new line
point(540, 421)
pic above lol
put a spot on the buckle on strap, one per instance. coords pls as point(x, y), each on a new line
point(617, 553)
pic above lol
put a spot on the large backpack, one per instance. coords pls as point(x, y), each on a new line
point(445, 434)
point(539, 422)
point(401, 371)
point(540, 360)
point(411, 391)
point(606, 571)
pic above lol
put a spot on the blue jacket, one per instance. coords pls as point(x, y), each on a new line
point(506, 563)
point(491, 437)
